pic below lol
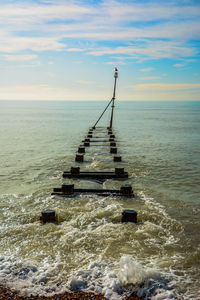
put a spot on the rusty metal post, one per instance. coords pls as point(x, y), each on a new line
point(113, 98)
point(111, 101)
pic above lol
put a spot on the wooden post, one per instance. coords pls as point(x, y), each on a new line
point(113, 98)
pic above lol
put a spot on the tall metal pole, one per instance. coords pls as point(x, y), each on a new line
point(113, 98)
point(111, 101)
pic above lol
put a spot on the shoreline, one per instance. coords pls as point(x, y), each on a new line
point(9, 294)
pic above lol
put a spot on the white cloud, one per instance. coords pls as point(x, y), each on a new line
point(75, 50)
point(48, 92)
point(43, 85)
point(146, 70)
point(166, 86)
point(123, 32)
point(116, 63)
point(23, 57)
point(13, 44)
point(33, 13)
point(85, 82)
point(109, 20)
point(78, 62)
point(149, 78)
point(178, 65)
point(106, 12)
point(155, 50)
point(162, 96)
point(149, 11)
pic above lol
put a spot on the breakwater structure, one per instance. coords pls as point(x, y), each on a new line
point(96, 136)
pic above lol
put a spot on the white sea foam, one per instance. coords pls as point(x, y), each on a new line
point(93, 165)
point(131, 272)
point(112, 280)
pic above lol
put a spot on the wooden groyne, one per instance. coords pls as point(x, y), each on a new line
point(97, 136)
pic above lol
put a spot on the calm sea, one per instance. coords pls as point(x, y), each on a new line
point(91, 249)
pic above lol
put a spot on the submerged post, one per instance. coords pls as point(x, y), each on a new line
point(113, 98)
point(48, 216)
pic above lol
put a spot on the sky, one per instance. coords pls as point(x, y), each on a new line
point(67, 50)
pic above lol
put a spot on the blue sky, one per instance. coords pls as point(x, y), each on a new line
point(67, 50)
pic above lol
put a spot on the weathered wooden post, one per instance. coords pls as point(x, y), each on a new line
point(129, 215)
point(79, 158)
point(49, 215)
point(67, 189)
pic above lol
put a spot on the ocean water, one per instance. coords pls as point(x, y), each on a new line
point(91, 249)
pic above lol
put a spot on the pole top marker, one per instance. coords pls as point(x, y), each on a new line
point(116, 73)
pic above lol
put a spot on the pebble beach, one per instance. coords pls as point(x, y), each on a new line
point(7, 294)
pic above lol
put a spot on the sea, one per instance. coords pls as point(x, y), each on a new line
point(90, 249)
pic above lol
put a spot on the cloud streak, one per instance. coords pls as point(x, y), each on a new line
point(52, 25)
point(106, 12)
point(155, 50)
point(146, 70)
point(12, 44)
point(25, 57)
point(166, 86)
point(85, 82)
point(67, 37)
point(149, 78)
